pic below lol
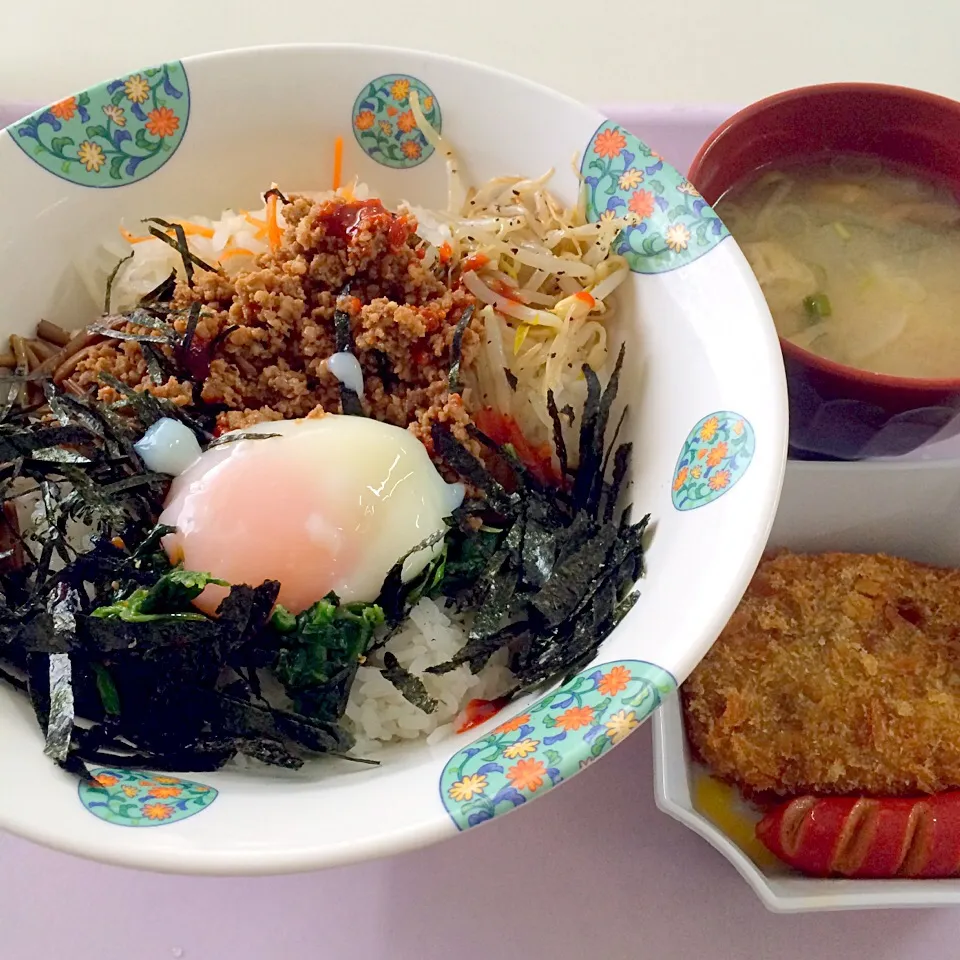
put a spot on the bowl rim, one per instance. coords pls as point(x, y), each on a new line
point(866, 378)
point(312, 856)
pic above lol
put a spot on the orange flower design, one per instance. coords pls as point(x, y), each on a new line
point(527, 774)
point(737, 428)
point(130, 791)
point(406, 121)
point(165, 780)
point(709, 430)
point(411, 149)
point(615, 680)
point(106, 779)
point(701, 454)
point(641, 203)
point(386, 127)
point(162, 122)
point(364, 120)
point(400, 90)
point(427, 104)
point(609, 143)
point(513, 724)
point(716, 454)
point(719, 480)
point(575, 718)
point(165, 793)
point(200, 788)
point(65, 109)
point(681, 478)
point(392, 111)
point(157, 811)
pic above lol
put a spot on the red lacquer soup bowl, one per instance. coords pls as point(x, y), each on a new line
point(838, 411)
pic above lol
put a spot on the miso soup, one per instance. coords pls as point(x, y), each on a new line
point(859, 262)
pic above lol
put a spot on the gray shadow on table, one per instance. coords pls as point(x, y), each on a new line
point(595, 870)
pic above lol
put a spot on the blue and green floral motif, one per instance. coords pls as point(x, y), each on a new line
point(384, 125)
point(714, 457)
point(130, 799)
point(560, 734)
point(114, 134)
point(623, 177)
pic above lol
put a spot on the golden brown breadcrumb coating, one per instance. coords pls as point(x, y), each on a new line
point(838, 673)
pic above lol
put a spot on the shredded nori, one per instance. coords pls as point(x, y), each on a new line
point(453, 380)
point(559, 572)
point(558, 441)
point(107, 295)
point(274, 192)
point(190, 259)
point(410, 686)
point(107, 633)
point(349, 401)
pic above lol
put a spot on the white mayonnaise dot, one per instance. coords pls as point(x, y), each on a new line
point(346, 368)
point(168, 446)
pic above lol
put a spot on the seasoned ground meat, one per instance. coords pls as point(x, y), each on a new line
point(269, 331)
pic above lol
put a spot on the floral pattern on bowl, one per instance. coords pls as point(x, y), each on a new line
point(131, 799)
point(114, 134)
point(519, 760)
point(624, 177)
point(384, 125)
point(714, 457)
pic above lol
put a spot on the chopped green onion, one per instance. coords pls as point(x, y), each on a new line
point(842, 232)
point(817, 305)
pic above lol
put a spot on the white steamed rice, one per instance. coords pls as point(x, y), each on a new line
point(433, 633)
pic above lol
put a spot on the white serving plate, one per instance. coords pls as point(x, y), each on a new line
point(911, 508)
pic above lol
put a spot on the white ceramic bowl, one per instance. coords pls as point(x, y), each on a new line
point(847, 507)
point(705, 385)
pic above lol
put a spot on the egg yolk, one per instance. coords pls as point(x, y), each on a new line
point(235, 527)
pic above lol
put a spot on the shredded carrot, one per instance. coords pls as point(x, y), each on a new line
point(445, 251)
point(130, 238)
point(194, 229)
point(273, 228)
point(475, 261)
point(586, 297)
point(508, 292)
point(337, 162)
point(118, 543)
point(236, 252)
point(252, 220)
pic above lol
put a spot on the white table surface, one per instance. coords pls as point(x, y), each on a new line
point(729, 51)
point(592, 869)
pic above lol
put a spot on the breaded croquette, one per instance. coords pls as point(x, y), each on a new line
point(838, 673)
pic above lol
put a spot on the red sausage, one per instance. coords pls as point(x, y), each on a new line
point(865, 837)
